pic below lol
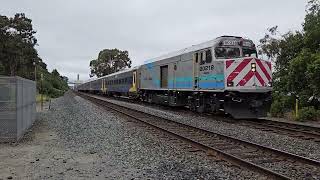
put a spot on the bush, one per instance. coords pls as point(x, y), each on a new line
point(277, 109)
point(308, 113)
point(53, 85)
point(281, 104)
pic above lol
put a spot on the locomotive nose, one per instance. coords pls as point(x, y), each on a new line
point(262, 72)
point(248, 73)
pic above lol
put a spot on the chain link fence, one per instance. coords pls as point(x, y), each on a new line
point(17, 107)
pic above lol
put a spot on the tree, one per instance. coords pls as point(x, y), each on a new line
point(17, 42)
point(1, 68)
point(18, 55)
point(109, 61)
point(311, 26)
point(297, 59)
point(55, 73)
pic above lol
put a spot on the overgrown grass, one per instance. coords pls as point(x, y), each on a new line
point(45, 98)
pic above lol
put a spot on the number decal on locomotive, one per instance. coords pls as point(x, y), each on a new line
point(207, 68)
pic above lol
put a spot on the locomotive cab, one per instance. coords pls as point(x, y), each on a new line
point(246, 79)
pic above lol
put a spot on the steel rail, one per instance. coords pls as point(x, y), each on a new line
point(225, 155)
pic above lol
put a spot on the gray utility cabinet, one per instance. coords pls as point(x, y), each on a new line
point(17, 107)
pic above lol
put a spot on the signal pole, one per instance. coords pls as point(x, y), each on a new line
point(41, 92)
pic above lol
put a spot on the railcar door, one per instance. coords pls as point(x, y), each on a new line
point(134, 82)
point(164, 76)
point(196, 61)
point(211, 73)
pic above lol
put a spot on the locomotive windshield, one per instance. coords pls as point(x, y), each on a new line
point(234, 52)
point(227, 52)
point(249, 52)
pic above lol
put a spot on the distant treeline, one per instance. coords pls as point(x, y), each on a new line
point(18, 56)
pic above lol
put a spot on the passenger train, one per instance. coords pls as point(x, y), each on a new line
point(221, 75)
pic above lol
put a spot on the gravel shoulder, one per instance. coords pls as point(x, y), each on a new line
point(75, 139)
point(305, 148)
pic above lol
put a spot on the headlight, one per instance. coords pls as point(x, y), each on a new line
point(229, 83)
point(269, 84)
point(253, 67)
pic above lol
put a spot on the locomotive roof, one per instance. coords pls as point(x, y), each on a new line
point(197, 47)
point(119, 72)
point(192, 48)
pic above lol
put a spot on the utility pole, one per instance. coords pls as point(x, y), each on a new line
point(35, 71)
point(41, 90)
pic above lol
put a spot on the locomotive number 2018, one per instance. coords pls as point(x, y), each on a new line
point(207, 68)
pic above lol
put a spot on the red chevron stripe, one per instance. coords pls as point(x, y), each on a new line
point(246, 78)
point(263, 69)
point(260, 79)
point(269, 65)
point(228, 63)
point(239, 68)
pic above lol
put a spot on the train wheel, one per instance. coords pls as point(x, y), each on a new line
point(149, 98)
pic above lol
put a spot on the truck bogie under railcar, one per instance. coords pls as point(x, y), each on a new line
point(238, 105)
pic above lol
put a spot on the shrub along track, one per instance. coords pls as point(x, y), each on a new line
point(270, 162)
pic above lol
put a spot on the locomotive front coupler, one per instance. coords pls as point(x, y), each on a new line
point(234, 97)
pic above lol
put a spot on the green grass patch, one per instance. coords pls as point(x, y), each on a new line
point(45, 98)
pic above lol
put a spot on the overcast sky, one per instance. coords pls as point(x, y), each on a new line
point(72, 32)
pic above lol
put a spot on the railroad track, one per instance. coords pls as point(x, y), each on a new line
point(294, 130)
point(273, 163)
point(284, 128)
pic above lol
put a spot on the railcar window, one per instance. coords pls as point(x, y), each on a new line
point(227, 52)
point(249, 52)
point(208, 56)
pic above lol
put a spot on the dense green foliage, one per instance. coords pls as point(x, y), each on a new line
point(18, 56)
point(308, 113)
point(109, 61)
point(297, 64)
point(53, 84)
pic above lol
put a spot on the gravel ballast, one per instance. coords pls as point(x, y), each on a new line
point(305, 148)
point(79, 140)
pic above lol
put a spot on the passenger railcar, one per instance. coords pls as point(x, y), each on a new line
point(120, 83)
point(223, 74)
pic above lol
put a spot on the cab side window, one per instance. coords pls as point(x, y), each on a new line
point(196, 57)
point(202, 57)
point(208, 56)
